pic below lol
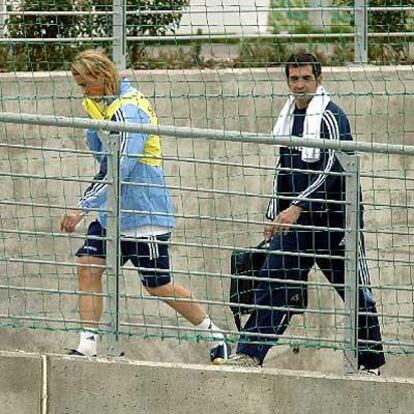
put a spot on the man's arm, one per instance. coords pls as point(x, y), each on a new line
point(279, 223)
point(95, 195)
point(94, 143)
point(131, 145)
point(72, 218)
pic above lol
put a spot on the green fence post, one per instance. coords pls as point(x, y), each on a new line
point(119, 34)
point(113, 241)
point(350, 163)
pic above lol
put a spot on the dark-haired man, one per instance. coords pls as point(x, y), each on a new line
point(306, 193)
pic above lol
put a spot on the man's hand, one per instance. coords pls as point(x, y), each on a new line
point(70, 220)
point(282, 222)
point(269, 230)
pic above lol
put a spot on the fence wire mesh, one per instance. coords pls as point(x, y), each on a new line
point(220, 182)
point(220, 191)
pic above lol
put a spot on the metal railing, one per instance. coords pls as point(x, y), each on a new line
point(116, 325)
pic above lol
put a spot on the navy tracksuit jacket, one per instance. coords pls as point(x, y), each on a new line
point(300, 188)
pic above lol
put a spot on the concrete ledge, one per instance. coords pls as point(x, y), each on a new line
point(20, 383)
point(104, 386)
point(100, 386)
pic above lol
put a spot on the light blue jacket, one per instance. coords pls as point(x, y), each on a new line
point(145, 199)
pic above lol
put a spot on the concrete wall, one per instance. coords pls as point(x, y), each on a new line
point(20, 383)
point(78, 386)
point(380, 106)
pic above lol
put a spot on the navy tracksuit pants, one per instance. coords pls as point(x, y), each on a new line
point(296, 267)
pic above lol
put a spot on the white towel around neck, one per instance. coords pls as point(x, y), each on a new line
point(312, 123)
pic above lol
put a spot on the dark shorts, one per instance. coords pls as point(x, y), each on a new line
point(146, 253)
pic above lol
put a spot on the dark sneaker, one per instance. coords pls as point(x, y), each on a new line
point(240, 360)
point(220, 353)
point(75, 352)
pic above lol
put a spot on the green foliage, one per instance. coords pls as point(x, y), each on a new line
point(144, 21)
point(292, 21)
point(299, 21)
point(146, 18)
point(386, 50)
point(259, 53)
point(43, 55)
point(390, 49)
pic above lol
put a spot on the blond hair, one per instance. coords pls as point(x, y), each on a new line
point(93, 64)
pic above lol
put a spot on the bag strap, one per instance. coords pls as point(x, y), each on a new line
point(264, 244)
point(237, 321)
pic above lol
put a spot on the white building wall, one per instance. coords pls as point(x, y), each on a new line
point(225, 16)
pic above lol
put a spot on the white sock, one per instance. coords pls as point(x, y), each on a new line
point(213, 331)
point(87, 343)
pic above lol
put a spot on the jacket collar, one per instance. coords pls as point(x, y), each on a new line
point(105, 109)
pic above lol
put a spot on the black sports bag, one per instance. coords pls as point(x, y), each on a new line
point(245, 263)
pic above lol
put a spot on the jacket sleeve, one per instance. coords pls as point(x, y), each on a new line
point(323, 182)
point(272, 207)
point(131, 145)
point(94, 143)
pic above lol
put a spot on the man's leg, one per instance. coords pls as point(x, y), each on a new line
point(91, 254)
point(270, 322)
point(370, 354)
point(90, 306)
point(90, 281)
point(190, 309)
point(154, 254)
point(194, 313)
point(273, 321)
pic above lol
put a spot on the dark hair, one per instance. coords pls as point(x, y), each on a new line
point(303, 59)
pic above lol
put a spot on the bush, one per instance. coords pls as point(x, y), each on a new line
point(293, 21)
point(259, 53)
point(43, 56)
point(141, 22)
point(58, 55)
point(175, 54)
point(387, 50)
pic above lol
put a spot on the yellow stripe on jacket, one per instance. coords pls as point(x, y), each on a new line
point(152, 147)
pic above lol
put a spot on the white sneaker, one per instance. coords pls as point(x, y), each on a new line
point(369, 371)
